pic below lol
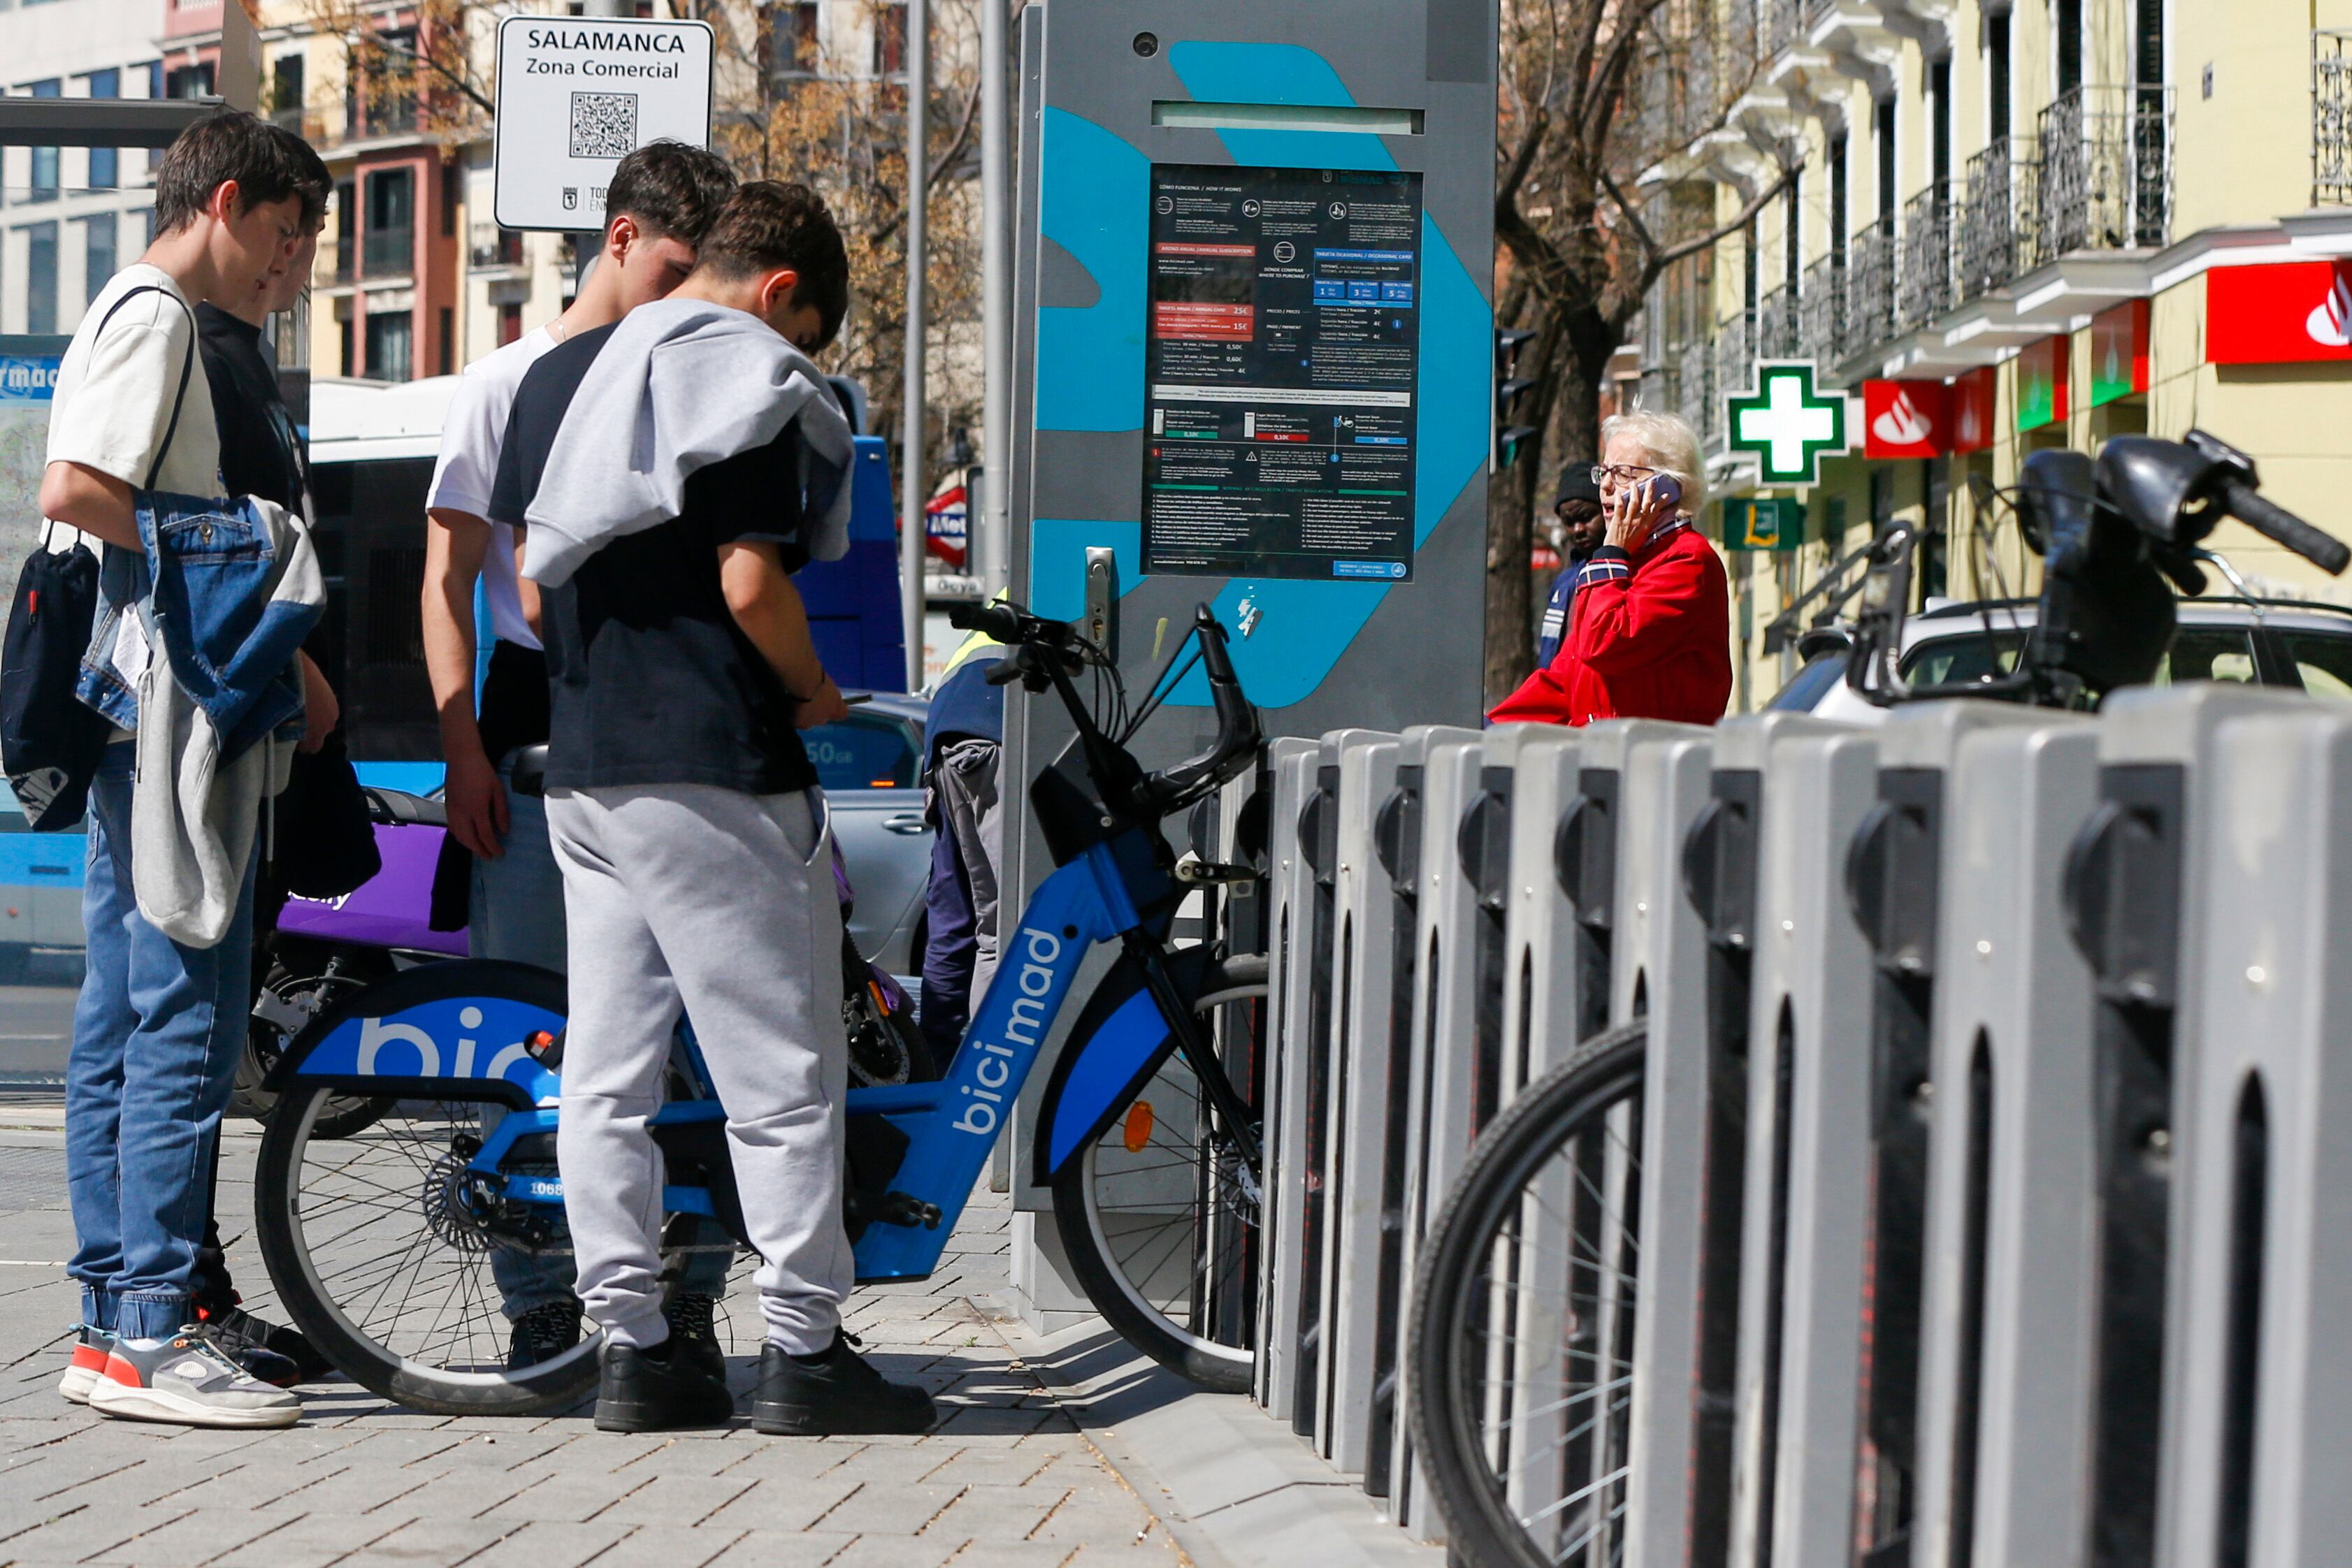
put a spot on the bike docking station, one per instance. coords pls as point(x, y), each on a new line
point(1253, 345)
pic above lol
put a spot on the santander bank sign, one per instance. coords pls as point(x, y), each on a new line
point(1904, 418)
point(2285, 313)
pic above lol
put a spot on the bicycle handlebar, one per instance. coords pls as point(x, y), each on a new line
point(2274, 522)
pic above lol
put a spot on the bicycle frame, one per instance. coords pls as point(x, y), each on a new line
point(439, 1044)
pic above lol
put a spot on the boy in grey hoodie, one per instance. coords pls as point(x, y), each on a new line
point(683, 809)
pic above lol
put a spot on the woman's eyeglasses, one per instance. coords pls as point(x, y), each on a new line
point(1623, 473)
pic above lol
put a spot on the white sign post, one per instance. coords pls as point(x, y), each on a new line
point(575, 96)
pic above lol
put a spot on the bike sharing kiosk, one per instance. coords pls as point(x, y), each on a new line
point(1253, 342)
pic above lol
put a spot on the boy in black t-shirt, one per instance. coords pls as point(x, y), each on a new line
point(682, 805)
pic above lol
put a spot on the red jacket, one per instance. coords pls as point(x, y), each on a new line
point(1649, 637)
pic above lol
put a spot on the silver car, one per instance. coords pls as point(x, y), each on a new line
point(871, 766)
point(2269, 643)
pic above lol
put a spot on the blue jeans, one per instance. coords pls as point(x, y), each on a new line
point(517, 913)
point(156, 1036)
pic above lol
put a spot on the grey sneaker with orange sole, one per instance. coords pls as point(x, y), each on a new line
point(187, 1381)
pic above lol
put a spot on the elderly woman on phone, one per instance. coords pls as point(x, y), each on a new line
point(1649, 632)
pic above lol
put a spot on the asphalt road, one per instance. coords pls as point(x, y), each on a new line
point(35, 1028)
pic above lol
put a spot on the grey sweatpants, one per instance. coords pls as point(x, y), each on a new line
point(721, 903)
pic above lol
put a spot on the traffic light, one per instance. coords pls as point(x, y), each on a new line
point(1510, 388)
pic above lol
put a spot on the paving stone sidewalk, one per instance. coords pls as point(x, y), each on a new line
point(1006, 1480)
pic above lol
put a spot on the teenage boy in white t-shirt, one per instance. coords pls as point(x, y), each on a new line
point(663, 199)
point(159, 1025)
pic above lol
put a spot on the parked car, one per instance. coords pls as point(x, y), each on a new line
point(2270, 642)
point(871, 766)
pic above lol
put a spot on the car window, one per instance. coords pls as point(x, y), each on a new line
point(2198, 653)
point(864, 751)
point(1970, 656)
point(2208, 654)
point(2325, 662)
point(1808, 685)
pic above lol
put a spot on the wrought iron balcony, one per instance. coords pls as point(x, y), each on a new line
point(2106, 171)
point(1735, 360)
point(1820, 307)
point(1924, 290)
point(1694, 397)
point(388, 252)
point(1782, 25)
point(1869, 299)
point(1779, 327)
point(1996, 239)
point(2331, 118)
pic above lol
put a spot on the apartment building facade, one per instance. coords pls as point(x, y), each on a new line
point(2038, 224)
point(69, 216)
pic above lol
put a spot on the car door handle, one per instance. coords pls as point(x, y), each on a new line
point(906, 822)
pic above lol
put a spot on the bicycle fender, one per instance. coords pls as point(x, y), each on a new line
point(435, 1030)
point(1116, 1044)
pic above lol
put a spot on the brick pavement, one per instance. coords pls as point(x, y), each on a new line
point(1006, 1480)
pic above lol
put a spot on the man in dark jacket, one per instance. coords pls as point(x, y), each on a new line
point(1581, 527)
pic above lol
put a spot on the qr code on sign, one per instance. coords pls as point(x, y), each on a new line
point(603, 124)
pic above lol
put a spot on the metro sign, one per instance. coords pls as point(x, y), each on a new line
point(1785, 423)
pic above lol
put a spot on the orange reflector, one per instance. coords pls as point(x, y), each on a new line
point(537, 1041)
point(1138, 1126)
point(874, 988)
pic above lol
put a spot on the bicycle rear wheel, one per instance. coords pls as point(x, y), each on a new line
point(1159, 1214)
point(1523, 1320)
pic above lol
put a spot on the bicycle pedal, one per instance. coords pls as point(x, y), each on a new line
point(906, 1209)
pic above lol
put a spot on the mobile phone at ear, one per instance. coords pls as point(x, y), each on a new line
point(1661, 486)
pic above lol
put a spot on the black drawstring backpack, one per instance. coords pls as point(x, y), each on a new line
point(50, 741)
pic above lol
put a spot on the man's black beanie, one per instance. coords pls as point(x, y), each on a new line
point(1576, 485)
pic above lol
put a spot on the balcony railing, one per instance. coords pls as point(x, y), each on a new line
point(1996, 239)
point(2331, 118)
point(1820, 310)
point(1778, 325)
point(2106, 171)
point(492, 246)
point(388, 253)
point(1924, 290)
point(1782, 24)
point(1869, 289)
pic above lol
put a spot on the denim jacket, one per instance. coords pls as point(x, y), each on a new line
point(195, 642)
point(202, 593)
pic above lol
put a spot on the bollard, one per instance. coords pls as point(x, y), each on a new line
point(1291, 763)
point(1355, 1076)
point(1639, 786)
point(2130, 882)
point(1307, 1171)
point(1797, 789)
point(1397, 842)
point(2004, 1405)
point(2261, 1410)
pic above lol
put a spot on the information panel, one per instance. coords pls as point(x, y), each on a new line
point(1280, 372)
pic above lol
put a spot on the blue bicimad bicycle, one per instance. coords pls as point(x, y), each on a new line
point(384, 1243)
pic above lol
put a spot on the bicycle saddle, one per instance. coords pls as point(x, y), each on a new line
point(399, 809)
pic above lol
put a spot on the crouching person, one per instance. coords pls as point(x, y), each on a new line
point(671, 472)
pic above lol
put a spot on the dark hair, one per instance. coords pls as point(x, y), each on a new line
point(674, 191)
point(312, 183)
point(771, 224)
point(234, 145)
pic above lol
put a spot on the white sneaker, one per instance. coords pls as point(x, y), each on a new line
point(189, 1380)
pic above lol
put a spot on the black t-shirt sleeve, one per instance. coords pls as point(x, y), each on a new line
point(753, 496)
point(509, 498)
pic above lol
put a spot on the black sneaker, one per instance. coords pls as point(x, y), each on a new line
point(272, 1352)
point(543, 1334)
point(834, 1395)
point(656, 1389)
point(695, 1336)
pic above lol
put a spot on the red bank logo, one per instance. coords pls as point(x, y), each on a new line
point(1901, 424)
point(2330, 321)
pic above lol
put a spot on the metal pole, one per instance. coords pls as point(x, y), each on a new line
point(993, 536)
point(911, 486)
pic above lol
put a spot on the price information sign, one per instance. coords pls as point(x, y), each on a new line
point(1282, 366)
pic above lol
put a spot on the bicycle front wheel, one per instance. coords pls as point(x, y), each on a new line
point(1522, 1336)
point(1159, 1215)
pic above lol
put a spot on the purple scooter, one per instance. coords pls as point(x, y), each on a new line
point(325, 949)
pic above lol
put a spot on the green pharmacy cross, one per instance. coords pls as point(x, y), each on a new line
point(1788, 427)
